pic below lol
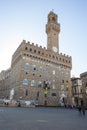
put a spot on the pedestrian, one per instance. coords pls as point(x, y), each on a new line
point(79, 108)
point(83, 110)
point(19, 104)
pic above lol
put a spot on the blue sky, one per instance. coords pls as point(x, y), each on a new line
point(26, 19)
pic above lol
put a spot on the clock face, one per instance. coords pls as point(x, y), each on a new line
point(54, 49)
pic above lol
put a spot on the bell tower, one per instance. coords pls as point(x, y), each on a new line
point(52, 30)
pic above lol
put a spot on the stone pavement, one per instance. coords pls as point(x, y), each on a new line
point(14, 118)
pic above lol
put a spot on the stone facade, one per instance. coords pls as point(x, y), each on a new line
point(83, 77)
point(5, 82)
point(77, 91)
point(41, 74)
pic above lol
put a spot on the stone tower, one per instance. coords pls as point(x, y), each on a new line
point(52, 30)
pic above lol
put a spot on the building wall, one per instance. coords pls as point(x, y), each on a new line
point(56, 71)
point(5, 83)
point(32, 65)
point(83, 77)
point(77, 91)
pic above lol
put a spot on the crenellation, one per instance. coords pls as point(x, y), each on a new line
point(33, 44)
point(28, 42)
point(41, 47)
point(36, 45)
point(44, 48)
point(24, 41)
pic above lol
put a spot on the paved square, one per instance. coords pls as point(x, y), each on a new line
point(14, 118)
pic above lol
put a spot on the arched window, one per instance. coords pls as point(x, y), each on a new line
point(67, 74)
point(40, 69)
point(40, 84)
point(53, 19)
point(33, 67)
point(34, 51)
point(53, 72)
point(26, 48)
point(53, 86)
point(27, 66)
point(26, 92)
point(38, 52)
point(30, 49)
point(25, 82)
point(46, 70)
point(62, 74)
point(33, 83)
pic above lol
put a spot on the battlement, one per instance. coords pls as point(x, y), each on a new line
point(27, 48)
point(64, 55)
point(32, 44)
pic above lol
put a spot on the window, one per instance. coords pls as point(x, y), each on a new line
point(53, 72)
point(26, 48)
point(34, 51)
point(26, 73)
point(53, 19)
point(25, 82)
point(63, 60)
point(40, 69)
point(67, 74)
point(30, 49)
point(38, 52)
point(33, 67)
point(62, 87)
point(26, 93)
point(46, 70)
point(33, 74)
point(53, 86)
point(75, 90)
point(81, 90)
point(32, 83)
point(62, 74)
point(53, 57)
point(27, 66)
point(62, 81)
point(24, 54)
point(58, 66)
point(53, 94)
point(40, 84)
point(66, 81)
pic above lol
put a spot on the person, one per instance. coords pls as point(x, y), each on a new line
point(79, 108)
point(83, 110)
point(19, 104)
